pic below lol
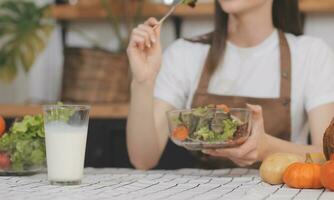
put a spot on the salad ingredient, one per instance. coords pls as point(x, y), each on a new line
point(273, 167)
point(209, 124)
point(205, 134)
point(191, 3)
point(181, 133)
point(64, 114)
point(328, 140)
point(303, 175)
point(223, 107)
point(327, 174)
point(2, 126)
point(4, 161)
point(25, 144)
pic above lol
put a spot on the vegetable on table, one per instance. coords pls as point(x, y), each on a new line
point(24, 144)
point(327, 174)
point(4, 161)
point(303, 175)
point(273, 167)
point(2, 126)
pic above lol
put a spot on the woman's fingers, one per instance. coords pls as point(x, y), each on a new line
point(150, 27)
point(151, 21)
point(241, 152)
point(252, 150)
point(149, 31)
point(257, 113)
point(154, 24)
point(247, 160)
point(143, 34)
point(139, 42)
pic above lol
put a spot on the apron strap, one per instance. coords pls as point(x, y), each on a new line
point(285, 65)
point(285, 59)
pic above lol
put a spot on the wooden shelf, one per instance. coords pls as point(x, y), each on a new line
point(317, 6)
point(68, 12)
point(112, 111)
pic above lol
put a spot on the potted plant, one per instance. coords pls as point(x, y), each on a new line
point(24, 31)
point(96, 75)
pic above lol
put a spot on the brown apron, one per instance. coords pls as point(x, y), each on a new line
point(276, 111)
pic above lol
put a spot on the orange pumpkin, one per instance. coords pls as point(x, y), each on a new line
point(303, 175)
point(327, 174)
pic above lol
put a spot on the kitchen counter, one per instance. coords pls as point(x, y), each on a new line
point(112, 183)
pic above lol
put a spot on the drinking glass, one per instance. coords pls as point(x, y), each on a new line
point(66, 129)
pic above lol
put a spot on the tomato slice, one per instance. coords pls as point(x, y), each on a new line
point(223, 107)
point(181, 133)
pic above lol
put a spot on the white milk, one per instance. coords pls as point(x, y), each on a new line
point(65, 151)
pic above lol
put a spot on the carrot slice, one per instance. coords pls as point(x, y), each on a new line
point(180, 133)
point(223, 107)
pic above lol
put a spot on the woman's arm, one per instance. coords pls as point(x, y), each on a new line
point(147, 124)
point(147, 130)
point(319, 119)
point(260, 145)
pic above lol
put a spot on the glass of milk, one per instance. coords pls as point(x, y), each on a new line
point(65, 139)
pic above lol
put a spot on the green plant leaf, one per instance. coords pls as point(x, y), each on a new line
point(27, 57)
point(24, 31)
point(8, 73)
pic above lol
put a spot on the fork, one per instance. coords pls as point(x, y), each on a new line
point(175, 4)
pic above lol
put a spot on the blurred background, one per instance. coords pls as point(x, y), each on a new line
point(74, 51)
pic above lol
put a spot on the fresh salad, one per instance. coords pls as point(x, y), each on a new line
point(23, 147)
point(208, 124)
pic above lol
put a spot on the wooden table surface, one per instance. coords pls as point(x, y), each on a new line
point(111, 183)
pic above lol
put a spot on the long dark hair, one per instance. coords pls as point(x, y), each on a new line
point(286, 17)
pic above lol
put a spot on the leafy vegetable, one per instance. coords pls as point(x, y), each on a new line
point(25, 143)
point(191, 3)
point(230, 127)
point(205, 134)
point(63, 114)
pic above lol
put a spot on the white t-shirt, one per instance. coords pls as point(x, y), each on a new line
point(253, 72)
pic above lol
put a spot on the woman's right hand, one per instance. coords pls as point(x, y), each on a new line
point(144, 52)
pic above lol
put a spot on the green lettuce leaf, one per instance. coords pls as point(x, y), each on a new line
point(25, 144)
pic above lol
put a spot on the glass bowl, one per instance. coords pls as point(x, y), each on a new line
point(24, 172)
point(22, 147)
point(25, 157)
point(212, 128)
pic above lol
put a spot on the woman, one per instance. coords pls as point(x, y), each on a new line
point(246, 59)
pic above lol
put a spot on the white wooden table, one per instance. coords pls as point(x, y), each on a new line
point(176, 184)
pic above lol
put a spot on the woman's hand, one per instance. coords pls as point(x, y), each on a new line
point(144, 51)
point(253, 149)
